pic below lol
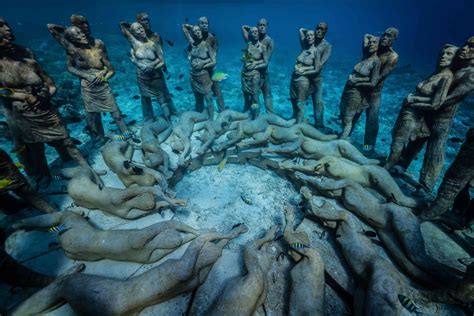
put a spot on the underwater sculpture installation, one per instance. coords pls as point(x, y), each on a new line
point(28, 105)
point(148, 58)
point(248, 128)
point(323, 52)
point(309, 148)
point(267, 42)
point(11, 179)
point(118, 157)
point(430, 94)
point(81, 240)
point(369, 176)
point(378, 282)
point(203, 59)
point(129, 203)
point(388, 60)
point(459, 175)
point(226, 120)
point(243, 295)
point(255, 61)
point(303, 73)
point(440, 121)
point(88, 60)
point(307, 276)
point(181, 136)
point(361, 82)
point(95, 295)
point(397, 227)
point(152, 135)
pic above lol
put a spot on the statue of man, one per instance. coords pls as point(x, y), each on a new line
point(389, 59)
point(148, 58)
point(26, 96)
point(323, 52)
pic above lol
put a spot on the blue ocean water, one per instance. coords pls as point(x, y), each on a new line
point(424, 27)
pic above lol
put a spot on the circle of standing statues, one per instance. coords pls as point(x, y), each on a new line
point(340, 185)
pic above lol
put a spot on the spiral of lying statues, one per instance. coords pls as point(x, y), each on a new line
point(348, 242)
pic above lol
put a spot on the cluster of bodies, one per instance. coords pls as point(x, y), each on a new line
point(325, 166)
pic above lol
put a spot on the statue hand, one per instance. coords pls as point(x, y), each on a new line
point(411, 98)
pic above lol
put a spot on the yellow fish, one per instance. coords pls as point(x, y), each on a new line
point(19, 165)
point(219, 76)
point(5, 182)
point(222, 164)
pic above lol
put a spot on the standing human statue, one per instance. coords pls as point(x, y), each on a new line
point(440, 120)
point(144, 20)
point(360, 84)
point(255, 63)
point(202, 59)
point(388, 60)
point(267, 41)
point(147, 56)
point(323, 52)
point(87, 59)
point(303, 74)
point(26, 92)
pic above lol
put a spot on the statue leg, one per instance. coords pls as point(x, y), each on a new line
point(27, 193)
point(209, 106)
point(402, 131)
point(347, 121)
point(411, 151)
point(199, 102)
point(169, 99)
point(39, 164)
point(435, 152)
point(372, 120)
point(94, 121)
point(267, 93)
point(216, 90)
point(318, 105)
point(117, 116)
point(147, 108)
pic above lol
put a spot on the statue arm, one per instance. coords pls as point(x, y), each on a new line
point(41, 221)
point(302, 33)
point(71, 67)
point(124, 28)
point(263, 139)
point(327, 184)
point(245, 33)
point(211, 137)
point(270, 46)
point(325, 55)
point(461, 91)
point(288, 148)
point(186, 30)
point(212, 58)
point(437, 99)
point(264, 62)
point(105, 60)
point(57, 32)
point(46, 79)
point(388, 68)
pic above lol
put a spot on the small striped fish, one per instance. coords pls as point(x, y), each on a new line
point(407, 303)
point(298, 245)
point(56, 229)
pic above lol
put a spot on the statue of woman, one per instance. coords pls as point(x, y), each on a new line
point(358, 87)
point(147, 56)
point(203, 60)
point(255, 61)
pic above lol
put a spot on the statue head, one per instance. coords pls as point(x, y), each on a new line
point(371, 44)
point(446, 55)
point(81, 22)
point(75, 35)
point(467, 51)
point(144, 20)
point(389, 37)
point(138, 31)
point(253, 34)
point(310, 37)
point(6, 35)
point(203, 23)
point(262, 26)
point(197, 32)
point(321, 30)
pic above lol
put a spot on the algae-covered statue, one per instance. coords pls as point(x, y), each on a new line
point(307, 276)
point(80, 240)
point(242, 296)
point(255, 63)
point(96, 295)
point(430, 95)
point(148, 57)
point(203, 59)
point(388, 60)
point(26, 97)
point(397, 227)
point(304, 71)
point(360, 84)
point(129, 203)
point(267, 41)
point(87, 59)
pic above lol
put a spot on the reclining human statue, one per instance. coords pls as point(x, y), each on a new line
point(153, 134)
point(96, 295)
point(128, 203)
point(243, 295)
point(81, 240)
